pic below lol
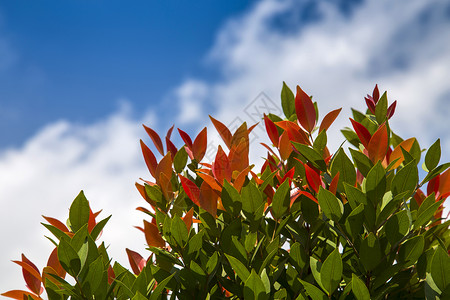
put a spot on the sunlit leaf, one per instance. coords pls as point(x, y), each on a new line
point(378, 144)
point(306, 113)
point(199, 145)
point(155, 138)
point(152, 235)
point(329, 119)
point(223, 131)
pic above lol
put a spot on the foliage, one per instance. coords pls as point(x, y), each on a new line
point(310, 224)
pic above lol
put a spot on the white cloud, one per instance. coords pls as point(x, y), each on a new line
point(191, 95)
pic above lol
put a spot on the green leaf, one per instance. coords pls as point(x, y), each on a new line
point(95, 274)
point(240, 269)
point(354, 221)
point(316, 267)
point(426, 215)
point(433, 155)
point(160, 287)
point(332, 207)
point(179, 231)
point(440, 266)
point(231, 199)
point(287, 101)
point(436, 171)
point(321, 141)
point(212, 263)
point(359, 288)
point(411, 250)
point(342, 164)
point(370, 252)
point(397, 227)
point(180, 160)
point(79, 212)
point(362, 162)
point(254, 287)
point(99, 227)
point(139, 296)
point(350, 136)
point(298, 255)
point(311, 155)
point(355, 196)
point(281, 200)
point(331, 272)
point(381, 108)
point(406, 179)
point(251, 198)
point(313, 291)
point(376, 184)
point(68, 258)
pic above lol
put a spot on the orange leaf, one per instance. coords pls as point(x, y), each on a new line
point(239, 134)
point(91, 220)
point(285, 146)
point(155, 138)
point(187, 219)
point(166, 186)
point(362, 133)
point(186, 138)
point(211, 181)
point(53, 262)
point(221, 167)
point(329, 119)
point(398, 153)
point(169, 132)
point(19, 295)
point(298, 193)
point(200, 144)
point(334, 183)
point(191, 189)
point(171, 147)
point(378, 144)
point(137, 262)
point(164, 167)
point(208, 199)
point(31, 275)
point(272, 130)
point(223, 131)
point(238, 156)
point(111, 275)
point(306, 113)
point(149, 158)
point(444, 183)
point(313, 178)
point(57, 223)
point(152, 235)
point(144, 195)
point(240, 179)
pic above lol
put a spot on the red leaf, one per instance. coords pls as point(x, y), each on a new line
point(272, 130)
point(238, 156)
point(155, 138)
point(211, 181)
point(186, 138)
point(149, 158)
point(334, 183)
point(444, 183)
point(370, 104)
point(31, 275)
point(187, 219)
point(199, 146)
point(171, 148)
point(391, 109)
point(378, 144)
point(208, 199)
point(312, 178)
point(54, 263)
point(398, 153)
point(295, 133)
point(169, 132)
point(297, 193)
point(376, 94)
point(137, 262)
point(152, 235)
point(362, 132)
point(239, 134)
point(164, 167)
point(329, 119)
point(166, 186)
point(111, 275)
point(191, 189)
point(57, 223)
point(285, 146)
point(19, 295)
point(289, 174)
point(240, 179)
point(270, 150)
point(304, 107)
point(221, 168)
point(419, 196)
point(250, 129)
point(223, 131)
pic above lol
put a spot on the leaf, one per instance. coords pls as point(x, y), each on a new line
point(137, 262)
point(391, 109)
point(95, 274)
point(299, 257)
point(332, 207)
point(240, 269)
point(433, 155)
point(221, 168)
point(440, 264)
point(199, 145)
point(425, 216)
point(19, 294)
point(155, 138)
point(284, 146)
point(362, 162)
point(342, 164)
point(331, 272)
point(359, 288)
point(54, 263)
point(231, 199)
point(436, 171)
point(272, 130)
point(251, 198)
point(254, 288)
point(160, 287)
point(223, 131)
point(376, 184)
point(312, 178)
point(68, 258)
point(381, 109)
point(164, 167)
point(313, 291)
point(397, 227)
point(378, 144)
point(99, 227)
point(186, 138)
point(280, 201)
point(329, 119)
point(306, 113)
point(56, 223)
point(180, 160)
point(370, 252)
point(79, 212)
point(179, 231)
point(152, 235)
point(406, 179)
point(31, 274)
point(362, 133)
point(191, 189)
point(398, 153)
point(354, 221)
point(208, 199)
point(238, 156)
point(287, 101)
point(314, 157)
point(411, 250)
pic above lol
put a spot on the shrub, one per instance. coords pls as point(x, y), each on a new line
point(309, 224)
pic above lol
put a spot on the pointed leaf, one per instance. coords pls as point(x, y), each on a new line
point(152, 235)
point(313, 291)
point(359, 288)
point(280, 202)
point(223, 131)
point(287, 101)
point(331, 272)
point(329, 119)
point(272, 130)
point(398, 153)
point(376, 184)
point(362, 133)
point(311, 155)
point(240, 269)
point(378, 144)
point(342, 164)
point(406, 179)
point(332, 207)
point(191, 189)
point(254, 288)
point(221, 168)
point(208, 199)
point(306, 113)
point(137, 262)
point(186, 138)
point(155, 138)
point(200, 144)
point(440, 264)
point(433, 155)
point(381, 108)
point(79, 212)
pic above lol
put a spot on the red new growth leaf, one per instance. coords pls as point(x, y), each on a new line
point(398, 153)
point(187, 219)
point(152, 235)
point(149, 158)
point(144, 195)
point(57, 223)
point(240, 179)
point(208, 199)
point(20, 295)
point(329, 119)
point(31, 275)
point(199, 146)
point(91, 221)
point(391, 109)
point(191, 189)
point(304, 107)
point(53, 262)
point(362, 132)
point(295, 133)
point(171, 147)
point(164, 167)
point(272, 130)
point(313, 178)
point(334, 183)
point(378, 144)
point(289, 175)
point(239, 134)
point(137, 262)
point(169, 132)
point(285, 146)
point(298, 193)
point(111, 275)
point(238, 156)
point(376, 94)
point(221, 168)
point(210, 180)
point(186, 138)
point(223, 131)
point(155, 138)
point(444, 184)
point(370, 104)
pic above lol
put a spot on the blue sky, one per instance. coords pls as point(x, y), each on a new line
point(78, 78)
